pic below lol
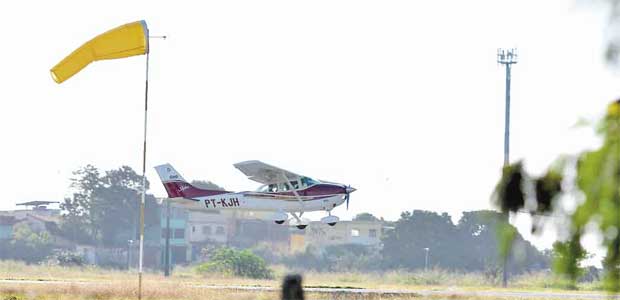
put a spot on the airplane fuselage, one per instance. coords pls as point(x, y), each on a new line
point(260, 202)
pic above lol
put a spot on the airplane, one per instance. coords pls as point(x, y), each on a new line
point(282, 192)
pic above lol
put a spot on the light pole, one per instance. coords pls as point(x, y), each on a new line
point(167, 251)
point(129, 250)
point(426, 259)
point(506, 57)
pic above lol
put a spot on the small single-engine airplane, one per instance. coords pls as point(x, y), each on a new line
point(282, 192)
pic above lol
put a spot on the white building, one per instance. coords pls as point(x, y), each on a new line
point(207, 227)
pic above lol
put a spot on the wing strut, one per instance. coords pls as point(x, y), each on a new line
point(296, 217)
point(301, 202)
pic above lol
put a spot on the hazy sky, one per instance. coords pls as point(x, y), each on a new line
point(401, 99)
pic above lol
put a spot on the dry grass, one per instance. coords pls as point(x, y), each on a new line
point(55, 282)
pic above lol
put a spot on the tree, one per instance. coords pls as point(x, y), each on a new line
point(207, 185)
point(414, 231)
point(28, 245)
point(565, 264)
point(476, 231)
point(365, 217)
point(79, 218)
point(104, 209)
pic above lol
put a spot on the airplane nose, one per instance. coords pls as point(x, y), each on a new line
point(350, 189)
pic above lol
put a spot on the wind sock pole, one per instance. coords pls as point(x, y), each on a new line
point(143, 200)
point(146, 105)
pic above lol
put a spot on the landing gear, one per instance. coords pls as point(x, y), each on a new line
point(301, 227)
point(330, 220)
point(279, 222)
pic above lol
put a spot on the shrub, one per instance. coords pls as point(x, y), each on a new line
point(242, 263)
point(66, 258)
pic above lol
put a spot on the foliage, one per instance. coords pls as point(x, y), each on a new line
point(334, 258)
point(27, 245)
point(242, 263)
point(475, 231)
point(104, 208)
point(207, 185)
point(567, 259)
point(365, 217)
point(66, 259)
point(509, 194)
point(597, 181)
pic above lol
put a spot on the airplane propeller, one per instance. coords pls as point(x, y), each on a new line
point(347, 194)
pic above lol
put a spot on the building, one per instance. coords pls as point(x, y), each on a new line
point(250, 232)
point(367, 233)
point(180, 250)
point(37, 208)
point(39, 218)
point(208, 227)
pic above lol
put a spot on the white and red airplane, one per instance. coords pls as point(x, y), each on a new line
point(282, 192)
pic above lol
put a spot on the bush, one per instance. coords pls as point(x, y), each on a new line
point(26, 245)
point(242, 263)
point(66, 258)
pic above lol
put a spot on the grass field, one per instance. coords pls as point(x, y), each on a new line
point(57, 282)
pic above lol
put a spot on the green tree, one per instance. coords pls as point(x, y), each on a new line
point(29, 245)
point(80, 218)
point(365, 217)
point(565, 264)
point(476, 231)
point(104, 209)
point(207, 185)
point(414, 231)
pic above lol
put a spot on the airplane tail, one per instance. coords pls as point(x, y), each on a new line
point(177, 187)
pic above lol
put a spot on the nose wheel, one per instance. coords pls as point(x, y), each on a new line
point(279, 222)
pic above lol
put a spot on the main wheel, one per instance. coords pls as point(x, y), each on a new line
point(301, 226)
point(331, 224)
point(279, 221)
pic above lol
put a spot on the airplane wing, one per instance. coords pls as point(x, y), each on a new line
point(264, 173)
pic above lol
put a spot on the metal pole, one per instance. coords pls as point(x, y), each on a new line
point(426, 260)
point(167, 251)
point(507, 119)
point(129, 250)
point(146, 101)
point(506, 162)
point(506, 57)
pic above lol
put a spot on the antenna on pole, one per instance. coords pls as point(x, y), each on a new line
point(507, 57)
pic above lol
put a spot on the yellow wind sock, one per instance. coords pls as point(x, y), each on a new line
point(123, 41)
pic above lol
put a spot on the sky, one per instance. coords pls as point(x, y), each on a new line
point(403, 100)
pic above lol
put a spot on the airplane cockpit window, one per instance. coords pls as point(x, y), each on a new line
point(272, 188)
point(295, 184)
point(263, 189)
point(284, 187)
point(307, 181)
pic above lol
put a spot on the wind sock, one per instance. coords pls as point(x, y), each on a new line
point(123, 41)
